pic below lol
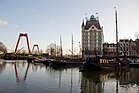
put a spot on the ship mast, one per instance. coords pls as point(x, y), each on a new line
point(61, 46)
point(72, 45)
point(116, 24)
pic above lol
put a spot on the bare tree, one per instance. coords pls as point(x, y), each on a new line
point(58, 51)
point(53, 50)
point(136, 35)
point(3, 48)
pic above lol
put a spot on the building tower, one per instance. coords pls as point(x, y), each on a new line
point(92, 37)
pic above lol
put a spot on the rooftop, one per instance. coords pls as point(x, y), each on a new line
point(92, 21)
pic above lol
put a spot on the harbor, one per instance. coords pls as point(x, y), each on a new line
point(69, 46)
point(19, 75)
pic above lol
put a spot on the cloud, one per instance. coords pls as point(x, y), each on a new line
point(3, 22)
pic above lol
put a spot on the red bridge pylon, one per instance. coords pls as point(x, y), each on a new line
point(35, 45)
point(23, 35)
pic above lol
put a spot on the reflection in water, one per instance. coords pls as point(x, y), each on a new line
point(107, 82)
point(129, 80)
point(68, 77)
point(2, 66)
point(40, 78)
point(71, 80)
point(92, 82)
point(17, 74)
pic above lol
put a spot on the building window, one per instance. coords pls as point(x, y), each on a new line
point(121, 49)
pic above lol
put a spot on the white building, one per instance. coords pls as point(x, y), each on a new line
point(92, 37)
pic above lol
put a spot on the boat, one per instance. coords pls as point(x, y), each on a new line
point(64, 63)
point(134, 64)
point(39, 60)
point(42, 60)
point(91, 66)
point(30, 59)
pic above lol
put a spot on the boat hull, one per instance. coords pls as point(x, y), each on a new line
point(91, 67)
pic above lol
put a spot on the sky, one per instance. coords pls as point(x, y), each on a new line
point(46, 20)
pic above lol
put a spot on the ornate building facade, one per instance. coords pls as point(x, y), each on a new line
point(124, 47)
point(128, 47)
point(92, 37)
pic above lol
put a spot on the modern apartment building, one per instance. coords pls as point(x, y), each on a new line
point(92, 37)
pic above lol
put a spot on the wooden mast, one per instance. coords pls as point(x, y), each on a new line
point(72, 45)
point(116, 24)
point(61, 46)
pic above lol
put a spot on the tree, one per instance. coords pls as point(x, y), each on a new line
point(53, 50)
point(3, 48)
point(136, 35)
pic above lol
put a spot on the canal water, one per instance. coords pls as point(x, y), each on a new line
point(20, 77)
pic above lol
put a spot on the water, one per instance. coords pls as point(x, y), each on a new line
point(21, 77)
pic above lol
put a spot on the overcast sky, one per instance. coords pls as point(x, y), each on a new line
point(46, 20)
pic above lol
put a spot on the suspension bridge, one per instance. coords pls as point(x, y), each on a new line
point(17, 54)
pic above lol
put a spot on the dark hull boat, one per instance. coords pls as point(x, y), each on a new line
point(56, 63)
point(64, 63)
point(91, 66)
point(30, 59)
point(42, 60)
